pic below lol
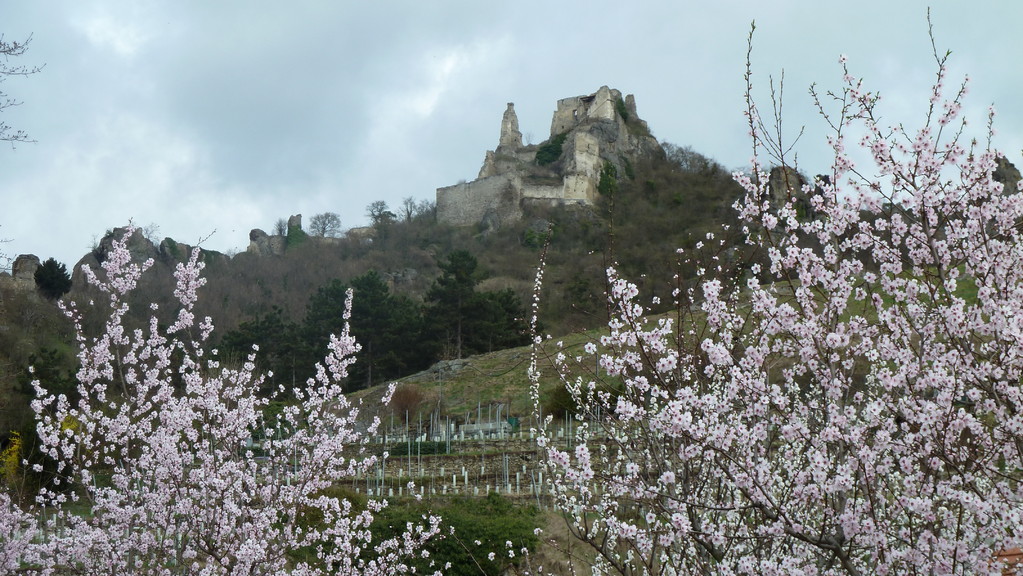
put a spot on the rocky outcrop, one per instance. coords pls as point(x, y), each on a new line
point(22, 276)
point(262, 244)
point(587, 133)
point(1008, 175)
point(169, 252)
point(361, 233)
point(785, 183)
point(141, 248)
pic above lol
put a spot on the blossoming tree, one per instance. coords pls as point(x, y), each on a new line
point(850, 405)
point(157, 471)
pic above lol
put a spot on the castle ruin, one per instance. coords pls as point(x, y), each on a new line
point(595, 130)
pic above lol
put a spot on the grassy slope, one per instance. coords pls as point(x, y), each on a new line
point(458, 387)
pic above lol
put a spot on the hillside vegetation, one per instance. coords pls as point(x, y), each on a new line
point(657, 205)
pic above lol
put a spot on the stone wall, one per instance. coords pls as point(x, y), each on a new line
point(541, 192)
point(584, 167)
point(469, 202)
point(504, 161)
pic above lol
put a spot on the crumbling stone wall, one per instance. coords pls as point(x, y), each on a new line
point(468, 202)
point(24, 269)
point(571, 112)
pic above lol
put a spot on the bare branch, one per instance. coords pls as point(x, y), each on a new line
point(8, 50)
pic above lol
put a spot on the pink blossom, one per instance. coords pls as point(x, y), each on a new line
point(180, 489)
point(851, 408)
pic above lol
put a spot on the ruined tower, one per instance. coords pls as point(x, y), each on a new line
point(511, 138)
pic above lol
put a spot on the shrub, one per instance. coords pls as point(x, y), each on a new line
point(550, 151)
point(622, 110)
point(492, 521)
point(416, 448)
point(296, 236)
point(608, 183)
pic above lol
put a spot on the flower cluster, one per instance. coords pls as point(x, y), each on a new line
point(178, 468)
point(853, 406)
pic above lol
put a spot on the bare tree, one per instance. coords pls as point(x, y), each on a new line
point(411, 208)
point(10, 50)
point(408, 208)
point(327, 224)
point(426, 207)
point(7, 133)
point(379, 213)
point(152, 233)
point(690, 160)
point(281, 227)
point(406, 399)
point(5, 260)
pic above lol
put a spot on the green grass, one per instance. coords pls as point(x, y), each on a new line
point(497, 377)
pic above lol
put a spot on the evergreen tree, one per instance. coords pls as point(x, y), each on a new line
point(387, 326)
point(281, 350)
point(453, 302)
point(503, 324)
point(52, 279)
point(472, 322)
point(323, 317)
point(53, 369)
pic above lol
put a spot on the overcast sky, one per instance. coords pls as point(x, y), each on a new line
point(220, 117)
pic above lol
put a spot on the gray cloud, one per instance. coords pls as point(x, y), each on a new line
point(227, 116)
